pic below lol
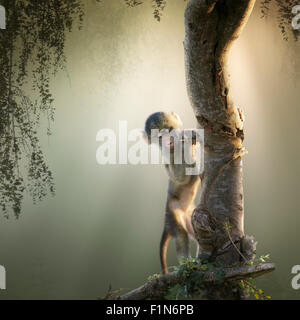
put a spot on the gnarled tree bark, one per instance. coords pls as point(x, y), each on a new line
point(212, 26)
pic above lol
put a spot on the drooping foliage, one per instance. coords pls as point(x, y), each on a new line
point(158, 6)
point(32, 51)
point(283, 12)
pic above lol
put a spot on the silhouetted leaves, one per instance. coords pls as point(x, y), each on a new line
point(32, 51)
point(282, 9)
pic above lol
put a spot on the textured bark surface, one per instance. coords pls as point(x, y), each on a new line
point(211, 29)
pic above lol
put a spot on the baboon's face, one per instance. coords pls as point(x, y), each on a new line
point(168, 135)
point(175, 119)
point(164, 125)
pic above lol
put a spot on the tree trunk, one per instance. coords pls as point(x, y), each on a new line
point(218, 221)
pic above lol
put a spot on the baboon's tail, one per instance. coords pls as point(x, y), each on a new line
point(163, 250)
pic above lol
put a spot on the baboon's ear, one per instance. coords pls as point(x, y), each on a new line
point(145, 136)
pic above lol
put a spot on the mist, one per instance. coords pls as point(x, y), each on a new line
point(105, 222)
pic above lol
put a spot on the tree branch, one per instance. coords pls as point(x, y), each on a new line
point(158, 287)
point(211, 28)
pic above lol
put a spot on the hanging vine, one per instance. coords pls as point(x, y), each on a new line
point(32, 51)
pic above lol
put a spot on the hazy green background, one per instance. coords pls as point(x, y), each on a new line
point(105, 222)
